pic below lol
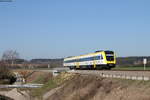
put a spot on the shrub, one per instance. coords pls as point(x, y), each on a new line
point(6, 76)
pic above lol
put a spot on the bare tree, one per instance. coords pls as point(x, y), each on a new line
point(10, 55)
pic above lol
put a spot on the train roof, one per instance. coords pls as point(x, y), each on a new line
point(91, 53)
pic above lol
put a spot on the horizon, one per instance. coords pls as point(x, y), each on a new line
point(58, 29)
point(80, 55)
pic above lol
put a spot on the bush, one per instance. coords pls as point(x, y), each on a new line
point(6, 76)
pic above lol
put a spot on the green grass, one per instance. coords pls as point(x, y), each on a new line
point(39, 80)
point(131, 68)
point(51, 83)
point(40, 91)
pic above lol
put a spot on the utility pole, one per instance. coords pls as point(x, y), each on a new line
point(144, 62)
point(48, 65)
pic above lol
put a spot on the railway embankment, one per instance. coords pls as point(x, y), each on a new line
point(76, 86)
point(92, 87)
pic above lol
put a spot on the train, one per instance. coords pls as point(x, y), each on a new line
point(104, 59)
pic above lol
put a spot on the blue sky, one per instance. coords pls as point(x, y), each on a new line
point(60, 28)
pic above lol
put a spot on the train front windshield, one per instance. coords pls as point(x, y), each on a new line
point(109, 55)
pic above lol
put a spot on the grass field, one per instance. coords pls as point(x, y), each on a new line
point(131, 68)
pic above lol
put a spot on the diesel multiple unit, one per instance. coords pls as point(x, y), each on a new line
point(96, 60)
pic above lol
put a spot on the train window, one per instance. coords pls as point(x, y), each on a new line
point(97, 58)
point(110, 58)
point(101, 56)
point(70, 61)
point(85, 59)
point(109, 55)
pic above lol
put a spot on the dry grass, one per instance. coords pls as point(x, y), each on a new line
point(88, 87)
point(96, 88)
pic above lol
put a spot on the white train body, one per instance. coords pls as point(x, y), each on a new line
point(91, 60)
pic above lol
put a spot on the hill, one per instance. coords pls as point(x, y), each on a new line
point(132, 61)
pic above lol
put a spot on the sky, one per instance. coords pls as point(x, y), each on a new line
point(61, 28)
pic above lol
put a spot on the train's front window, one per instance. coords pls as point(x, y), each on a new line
point(110, 58)
point(109, 55)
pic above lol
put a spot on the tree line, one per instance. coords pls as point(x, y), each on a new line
point(13, 60)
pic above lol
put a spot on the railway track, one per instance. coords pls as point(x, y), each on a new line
point(128, 70)
point(134, 75)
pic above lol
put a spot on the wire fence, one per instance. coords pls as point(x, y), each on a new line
point(139, 76)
